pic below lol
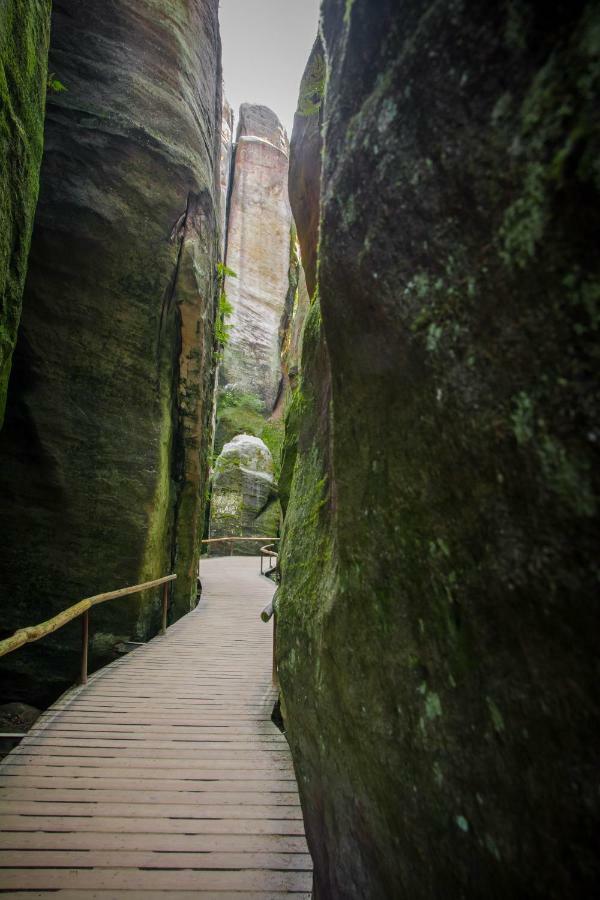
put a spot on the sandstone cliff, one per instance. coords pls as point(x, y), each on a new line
point(436, 613)
point(102, 458)
point(24, 37)
point(227, 118)
point(258, 247)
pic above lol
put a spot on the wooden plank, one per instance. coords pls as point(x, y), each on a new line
point(192, 796)
point(128, 879)
point(263, 762)
point(198, 810)
point(153, 859)
point(173, 754)
point(149, 825)
point(160, 895)
point(74, 782)
point(182, 843)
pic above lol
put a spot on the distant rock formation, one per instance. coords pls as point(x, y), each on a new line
point(258, 251)
point(261, 122)
point(243, 483)
point(437, 614)
point(24, 38)
point(227, 120)
point(103, 453)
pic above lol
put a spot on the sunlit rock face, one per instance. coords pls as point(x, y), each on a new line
point(243, 483)
point(24, 38)
point(258, 249)
point(225, 166)
point(261, 122)
point(305, 162)
point(102, 456)
point(437, 612)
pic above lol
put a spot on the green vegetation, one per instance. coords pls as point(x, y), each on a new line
point(55, 86)
point(243, 413)
point(225, 309)
point(24, 37)
point(312, 89)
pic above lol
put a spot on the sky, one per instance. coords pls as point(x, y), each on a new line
point(266, 44)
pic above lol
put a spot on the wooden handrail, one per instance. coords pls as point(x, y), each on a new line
point(35, 632)
point(221, 539)
point(267, 612)
point(267, 551)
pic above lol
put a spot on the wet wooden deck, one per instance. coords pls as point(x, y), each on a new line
point(164, 776)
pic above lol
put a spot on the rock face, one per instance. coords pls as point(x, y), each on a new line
point(261, 122)
point(225, 166)
point(242, 484)
point(305, 162)
point(102, 457)
point(24, 38)
point(439, 556)
point(258, 247)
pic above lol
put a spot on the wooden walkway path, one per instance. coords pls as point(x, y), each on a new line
point(164, 776)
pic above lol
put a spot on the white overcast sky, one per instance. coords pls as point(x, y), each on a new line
point(266, 44)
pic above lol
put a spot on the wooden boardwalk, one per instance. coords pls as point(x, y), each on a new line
point(164, 776)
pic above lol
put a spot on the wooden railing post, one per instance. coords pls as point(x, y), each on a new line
point(165, 606)
point(85, 633)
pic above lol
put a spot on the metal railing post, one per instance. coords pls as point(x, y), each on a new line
point(275, 677)
point(85, 633)
point(165, 606)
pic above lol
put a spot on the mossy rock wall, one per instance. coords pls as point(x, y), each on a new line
point(24, 39)
point(438, 605)
point(103, 456)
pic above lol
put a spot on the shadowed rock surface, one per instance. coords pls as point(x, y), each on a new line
point(437, 612)
point(242, 484)
point(103, 454)
point(24, 38)
point(258, 248)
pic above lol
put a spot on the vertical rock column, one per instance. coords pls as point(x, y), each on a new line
point(438, 606)
point(102, 457)
point(24, 38)
point(258, 246)
point(225, 166)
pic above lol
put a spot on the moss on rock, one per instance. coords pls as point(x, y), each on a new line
point(439, 562)
point(24, 39)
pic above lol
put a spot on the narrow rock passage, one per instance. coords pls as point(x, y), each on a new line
point(165, 774)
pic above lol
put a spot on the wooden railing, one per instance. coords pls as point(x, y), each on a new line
point(233, 540)
point(269, 553)
point(35, 632)
point(269, 611)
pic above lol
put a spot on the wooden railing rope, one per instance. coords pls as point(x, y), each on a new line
point(36, 632)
